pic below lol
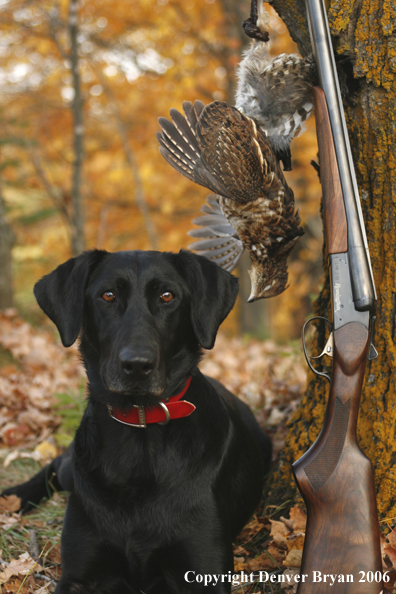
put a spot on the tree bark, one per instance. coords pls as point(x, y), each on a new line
point(78, 241)
point(364, 35)
point(7, 240)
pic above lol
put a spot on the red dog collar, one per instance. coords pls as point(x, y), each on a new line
point(140, 416)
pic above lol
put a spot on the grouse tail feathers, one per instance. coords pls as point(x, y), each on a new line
point(218, 241)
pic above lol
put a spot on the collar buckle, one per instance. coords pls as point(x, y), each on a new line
point(141, 416)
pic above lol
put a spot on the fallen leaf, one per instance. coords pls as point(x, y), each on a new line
point(297, 521)
point(277, 554)
point(15, 586)
point(14, 434)
point(271, 558)
point(293, 558)
point(15, 454)
point(390, 585)
point(266, 523)
point(391, 552)
point(291, 582)
point(54, 553)
point(278, 531)
point(21, 566)
point(240, 551)
point(261, 563)
point(386, 562)
point(251, 529)
point(239, 564)
point(295, 541)
point(392, 538)
point(43, 590)
point(7, 522)
point(47, 450)
point(10, 503)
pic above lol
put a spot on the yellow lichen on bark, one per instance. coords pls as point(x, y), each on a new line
point(366, 36)
point(374, 43)
point(339, 16)
point(377, 115)
point(307, 421)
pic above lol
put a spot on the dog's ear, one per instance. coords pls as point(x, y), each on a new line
point(60, 294)
point(212, 292)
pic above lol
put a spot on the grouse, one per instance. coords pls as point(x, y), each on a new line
point(275, 91)
point(221, 149)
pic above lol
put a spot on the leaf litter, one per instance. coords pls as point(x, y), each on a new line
point(35, 406)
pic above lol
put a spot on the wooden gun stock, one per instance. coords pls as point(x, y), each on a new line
point(335, 478)
point(336, 481)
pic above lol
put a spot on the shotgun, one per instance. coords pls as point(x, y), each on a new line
point(334, 477)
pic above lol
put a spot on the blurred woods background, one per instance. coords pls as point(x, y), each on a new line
point(82, 85)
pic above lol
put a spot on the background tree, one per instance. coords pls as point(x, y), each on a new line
point(104, 74)
point(365, 40)
point(7, 240)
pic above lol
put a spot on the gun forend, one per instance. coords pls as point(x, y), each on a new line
point(336, 229)
point(340, 218)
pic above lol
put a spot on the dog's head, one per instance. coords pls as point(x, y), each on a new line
point(142, 316)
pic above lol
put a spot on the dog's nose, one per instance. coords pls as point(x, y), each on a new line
point(139, 363)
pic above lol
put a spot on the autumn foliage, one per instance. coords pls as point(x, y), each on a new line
point(135, 60)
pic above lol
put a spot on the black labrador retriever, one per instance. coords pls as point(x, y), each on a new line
point(167, 465)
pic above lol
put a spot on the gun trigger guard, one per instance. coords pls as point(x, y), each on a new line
point(328, 349)
point(329, 345)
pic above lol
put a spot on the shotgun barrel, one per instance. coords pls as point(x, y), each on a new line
point(342, 548)
point(363, 288)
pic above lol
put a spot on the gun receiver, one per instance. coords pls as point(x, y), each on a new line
point(334, 477)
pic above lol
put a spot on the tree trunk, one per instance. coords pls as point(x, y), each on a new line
point(7, 240)
point(140, 197)
point(364, 35)
point(78, 241)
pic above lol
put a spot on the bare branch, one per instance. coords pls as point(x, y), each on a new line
point(78, 242)
point(51, 190)
point(7, 240)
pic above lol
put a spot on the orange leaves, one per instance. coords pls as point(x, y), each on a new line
point(21, 566)
point(388, 551)
point(297, 521)
point(41, 369)
point(282, 548)
point(268, 377)
point(278, 531)
point(278, 544)
point(10, 503)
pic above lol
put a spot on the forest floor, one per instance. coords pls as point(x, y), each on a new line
point(41, 402)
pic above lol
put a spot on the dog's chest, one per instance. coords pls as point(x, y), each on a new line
point(144, 485)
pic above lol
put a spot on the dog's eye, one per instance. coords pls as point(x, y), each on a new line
point(108, 296)
point(167, 296)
